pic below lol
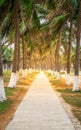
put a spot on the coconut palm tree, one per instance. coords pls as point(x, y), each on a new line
point(57, 56)
point(4, 8)
point(14, 76)
point(69, 52)
point(24, 49)
point(77, 56)
point(71, 8)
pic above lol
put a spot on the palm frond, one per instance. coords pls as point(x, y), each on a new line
point(23, 27)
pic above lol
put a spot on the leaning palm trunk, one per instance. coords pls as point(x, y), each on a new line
point(2, 91)
point(77, 57)
point(68, 82)
point(24, 71)
point(57, 57)
point(14, 76)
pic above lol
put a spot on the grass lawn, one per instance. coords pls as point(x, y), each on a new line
point(72, 98)
point(14, 97)
point(11, 93)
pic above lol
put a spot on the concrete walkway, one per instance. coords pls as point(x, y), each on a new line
point(40, 109)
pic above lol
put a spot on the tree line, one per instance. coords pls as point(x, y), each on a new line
point(47, 31)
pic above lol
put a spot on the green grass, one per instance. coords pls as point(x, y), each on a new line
point(55, 81)
point(73, 99)
point(5, 105)
point(21, 83)
point(10, 91)
point(67, 90)
point(20, 73)
point(62, 72)
point(6, 79)
point(77, 113)
point(7, 73)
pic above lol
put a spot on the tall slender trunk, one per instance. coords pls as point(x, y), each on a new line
point(16, 38)
point(18, 61)
point(57, 57)
point(14, 77)
point(2, 91)
point(18, 58)
point(69, 52)
point(77, 57)
point(24, 52)
point(55, 60)
point(50, 60)
point(49, 63)
point(24, 47)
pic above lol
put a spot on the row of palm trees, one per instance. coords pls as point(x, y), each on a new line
point(40, 25)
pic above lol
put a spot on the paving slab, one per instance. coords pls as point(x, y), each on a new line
point(40, 109)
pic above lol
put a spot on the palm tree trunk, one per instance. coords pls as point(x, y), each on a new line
point(13, 78)
point(51, 60)
point(18, 59)
point(57, 56)
point(69, 52)
point(24, 47)
point(30, 65)
point(55, 59)
point(2, 91)
point(77, 57)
